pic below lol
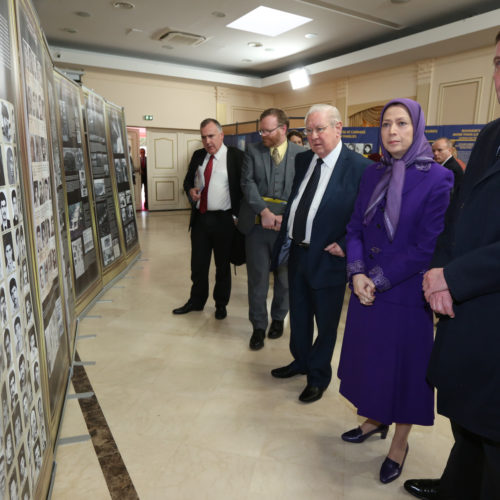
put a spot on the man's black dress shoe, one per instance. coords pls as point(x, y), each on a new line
point(310, 394)
point(257, 339)
point(276, 329)
point(425, 489)
point(286, 371)
point(187, 307)
point(220, 312)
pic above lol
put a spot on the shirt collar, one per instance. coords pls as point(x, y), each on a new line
point(331, 158)
point(222, 150)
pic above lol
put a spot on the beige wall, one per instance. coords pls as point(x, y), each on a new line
point(456, 89)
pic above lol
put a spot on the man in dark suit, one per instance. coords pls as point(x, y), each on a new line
point(323, 194)
point(212, 185)
point(443, 154)
point(464, 287)
point(266, 182)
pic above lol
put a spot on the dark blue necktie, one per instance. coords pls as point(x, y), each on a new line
point(299, 223)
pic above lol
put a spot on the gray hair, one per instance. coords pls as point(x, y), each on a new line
point(331, 111)
point(207, 121)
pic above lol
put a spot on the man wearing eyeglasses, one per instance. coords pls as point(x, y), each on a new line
point(266, 182)
point(314, 226)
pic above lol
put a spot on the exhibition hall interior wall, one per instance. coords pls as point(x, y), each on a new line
point(68, 229)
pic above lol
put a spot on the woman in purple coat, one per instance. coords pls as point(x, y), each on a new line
point(388, 337)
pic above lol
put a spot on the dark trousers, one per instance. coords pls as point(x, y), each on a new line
point(211, 231)
point(307, 305)
point(473, 468)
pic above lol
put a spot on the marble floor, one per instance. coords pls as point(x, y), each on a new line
point(183, 409)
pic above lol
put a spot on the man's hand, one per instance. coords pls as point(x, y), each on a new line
point(195, 194)
point(335, 249)
point(442, 303)
point(434, 281)
point(267, 219)
point(364, 288)
point(277, 222)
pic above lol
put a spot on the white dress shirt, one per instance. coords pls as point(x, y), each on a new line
point(327, 167)
point(218, 189)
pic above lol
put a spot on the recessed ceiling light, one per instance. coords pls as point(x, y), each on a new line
point(81, 13)
point(270, 22)
point(217, 13)
point(246, 60)
point(70, 30)
point(400, 1)
point(123, 5)
point(168, 47)
point(254, 44)
point(311, 35)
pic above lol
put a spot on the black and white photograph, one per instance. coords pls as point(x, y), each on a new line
point(14, 296)
point(99, 188)
point(88, 240)
point(107, 250)
point(75, 214)
point(77, 250)
point(4, 211)
point(10, 161)
point(83, 183)
point(8, 250)
point(6, 122)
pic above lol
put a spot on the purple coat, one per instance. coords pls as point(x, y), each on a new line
point(387, 346)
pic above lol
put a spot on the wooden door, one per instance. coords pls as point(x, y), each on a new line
point(169, 153)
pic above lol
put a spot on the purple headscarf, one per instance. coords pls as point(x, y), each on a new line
point(391, 183)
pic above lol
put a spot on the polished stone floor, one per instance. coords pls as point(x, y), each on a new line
point(184, 410)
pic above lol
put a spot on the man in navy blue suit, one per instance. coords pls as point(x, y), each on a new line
point(324, 189)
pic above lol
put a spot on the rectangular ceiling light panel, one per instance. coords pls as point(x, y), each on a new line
point(267, 21)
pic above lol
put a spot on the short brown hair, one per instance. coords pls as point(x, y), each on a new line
point(280, 115)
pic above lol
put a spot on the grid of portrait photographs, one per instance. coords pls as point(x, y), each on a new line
point(23, 436)
point(122, 173)
point(83, 249)
point(107, 225)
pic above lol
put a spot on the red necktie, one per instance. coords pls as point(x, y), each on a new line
point(204, 193)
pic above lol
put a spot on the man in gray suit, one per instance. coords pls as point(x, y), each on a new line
point(266, 182)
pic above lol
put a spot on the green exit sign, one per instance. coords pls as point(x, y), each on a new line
point(148, 117)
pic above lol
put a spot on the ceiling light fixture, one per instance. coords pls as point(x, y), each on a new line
point(123, 5)
point(254, 44)
point(310, 35)
point(299, 78)
point(269, 22)
point(70, 30)
point(81, 13)
point(219, 14)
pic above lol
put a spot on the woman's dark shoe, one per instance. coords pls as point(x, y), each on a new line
point(357, 436)
point(391, 470)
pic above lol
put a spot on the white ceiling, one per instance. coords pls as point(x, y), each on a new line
point(353, 36)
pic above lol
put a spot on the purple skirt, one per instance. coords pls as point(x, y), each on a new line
point(383, 363)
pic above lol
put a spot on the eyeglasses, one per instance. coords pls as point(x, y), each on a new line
point(268, 132)
point(318, 130)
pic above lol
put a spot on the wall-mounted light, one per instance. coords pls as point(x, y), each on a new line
point(299, 78)
point(148, 117)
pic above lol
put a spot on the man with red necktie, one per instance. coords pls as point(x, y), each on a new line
point(212, 185)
